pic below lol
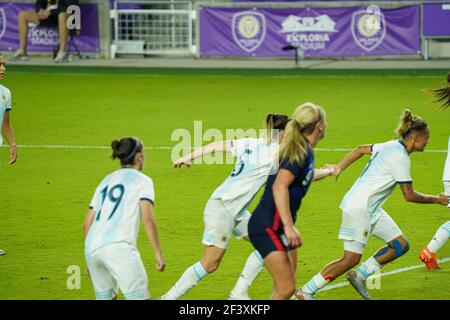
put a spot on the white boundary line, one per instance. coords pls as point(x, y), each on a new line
point(388, 273)
point(55, 146)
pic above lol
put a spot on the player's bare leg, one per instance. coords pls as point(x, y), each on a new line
point(394, 249)
point(329, 273)
point(280, 266)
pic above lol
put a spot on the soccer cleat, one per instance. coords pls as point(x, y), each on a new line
point(300, 295)
point(2, 252)
point(359, 284)
point(429, 259)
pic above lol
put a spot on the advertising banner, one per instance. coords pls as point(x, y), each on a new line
point(318, 32)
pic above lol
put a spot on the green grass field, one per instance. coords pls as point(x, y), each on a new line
point(44, 197)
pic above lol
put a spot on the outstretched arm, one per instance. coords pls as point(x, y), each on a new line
point(324, 172)
point(148, 218)
point(412, 196)
point(220, 146)
point(8, 132)
point(352, 157)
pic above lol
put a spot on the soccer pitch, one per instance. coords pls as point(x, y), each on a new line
point(45, 195)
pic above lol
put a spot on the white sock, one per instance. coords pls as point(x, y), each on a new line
point(440, 238)
point(188, 280)
point(368, 268)
point(315, 284)
point(253, 266)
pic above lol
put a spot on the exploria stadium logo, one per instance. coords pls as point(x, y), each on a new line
point(249, 30)
point(368, 28)
point(2, 22)
point(308, 33)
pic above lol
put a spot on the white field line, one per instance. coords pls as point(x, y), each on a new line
point(55, 146)
point(388, 273)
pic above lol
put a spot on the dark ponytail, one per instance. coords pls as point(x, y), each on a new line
point(275, 122)
point(126, 149)
point(442, 95)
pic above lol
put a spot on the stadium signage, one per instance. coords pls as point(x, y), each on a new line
point(249, 30)
point(318, 32)
point(45, 39)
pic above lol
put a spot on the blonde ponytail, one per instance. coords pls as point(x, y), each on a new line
point(295, 146)
point(408, 124)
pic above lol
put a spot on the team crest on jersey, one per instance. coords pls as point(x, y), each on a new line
point(249, 30)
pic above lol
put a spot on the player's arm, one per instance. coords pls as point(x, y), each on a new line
point(324, 172)
point(8, 133)
point(220, 146)
point(413, 196)
point(88, 221)
point(280, 191)
point(351, 157)
point(148, 218)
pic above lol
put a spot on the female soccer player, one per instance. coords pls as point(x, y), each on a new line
point(112, 224)
point(363, 214)
point(429, 254)
point(226, 211)
point(271, 227)
point(7, 129)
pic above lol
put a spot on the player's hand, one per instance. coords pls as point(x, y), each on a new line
point(13, 154)
point(182, 162)
point(160, 264)
point(43, 14)
point(293, 237)
point(443, 199)
point(333, 168)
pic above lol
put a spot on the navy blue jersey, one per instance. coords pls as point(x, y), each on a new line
point(266, 212)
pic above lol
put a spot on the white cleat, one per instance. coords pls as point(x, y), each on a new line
point(2, 252)
point(300, 295)
point(359, 284)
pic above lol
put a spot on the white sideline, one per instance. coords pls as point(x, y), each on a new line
point(55, 146)
point(346, 283)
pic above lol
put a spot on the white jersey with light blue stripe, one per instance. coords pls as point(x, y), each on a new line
point(446, 175)
point(5, 105)
point(389, 164)
point(116, 206)
point(255, 160)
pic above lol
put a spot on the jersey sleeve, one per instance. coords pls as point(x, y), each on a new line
point(238, 146)
point(147, 191)
point(401, 169)
point(8, 102)
point(375, 147)
point(294, 168)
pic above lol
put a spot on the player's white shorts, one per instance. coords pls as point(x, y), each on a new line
point(118, 266)
point(356, 229)
point(220, 224)
point(447, 189)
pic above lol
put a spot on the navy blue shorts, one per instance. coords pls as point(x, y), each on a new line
point(266, 239)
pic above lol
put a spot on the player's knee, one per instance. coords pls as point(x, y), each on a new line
point(211, 265)
point(286, 290)
point(401, 246)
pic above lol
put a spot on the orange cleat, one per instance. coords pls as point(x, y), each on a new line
point(429, 259)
